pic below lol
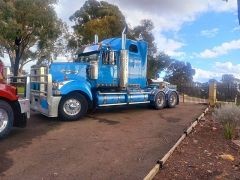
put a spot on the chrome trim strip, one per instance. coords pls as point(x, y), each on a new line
point(139, 102)
point(112, 104)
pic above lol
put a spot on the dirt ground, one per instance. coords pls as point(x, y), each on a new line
point(113, 143)
point(199, 155)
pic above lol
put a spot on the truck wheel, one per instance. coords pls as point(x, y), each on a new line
point(160, 101)
point(6, 118)
point(172, 100)
point(73, 107)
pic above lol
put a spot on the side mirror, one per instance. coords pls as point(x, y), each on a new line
point(112, 55)
point(75, 56)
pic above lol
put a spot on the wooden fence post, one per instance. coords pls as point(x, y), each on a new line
point(212, 93)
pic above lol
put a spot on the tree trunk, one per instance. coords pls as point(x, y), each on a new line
point(17, 62)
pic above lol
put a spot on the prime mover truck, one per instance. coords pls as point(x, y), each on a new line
point(109, 73)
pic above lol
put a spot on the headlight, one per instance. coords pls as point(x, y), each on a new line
point(55, 85)
point(59, 85)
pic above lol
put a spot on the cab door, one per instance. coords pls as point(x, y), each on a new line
point(108, 69)
point(135, 66)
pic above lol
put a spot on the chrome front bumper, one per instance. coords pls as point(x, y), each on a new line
point(25, 106)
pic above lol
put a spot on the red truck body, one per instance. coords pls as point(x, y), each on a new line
point(13, 110)
point(8, 92)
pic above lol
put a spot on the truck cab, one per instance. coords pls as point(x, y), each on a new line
point(109, 73)
point(14, 111)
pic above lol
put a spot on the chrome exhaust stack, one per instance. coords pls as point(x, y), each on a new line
point(124, 37)
point(124, 61)
point(95, 39)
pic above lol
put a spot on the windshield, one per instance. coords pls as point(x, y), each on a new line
point(87, 57)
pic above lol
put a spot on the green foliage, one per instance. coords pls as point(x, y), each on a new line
point(229, 116)
point(157, 64)
point(25, 24)
point(101, 18)
point(228, 78)
point(106, 20)
point(145, 30)
point(228, 88)
point(180, 73)
point(228, 130)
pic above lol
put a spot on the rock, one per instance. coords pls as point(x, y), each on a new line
point(236, 168)
point(214, 128)
point(206, 151)
point(236, 142)
point(228, 157)
point(195, 141)
point(209, 171)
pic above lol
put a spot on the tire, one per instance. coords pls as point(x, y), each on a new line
point(172, 100)
point(159, 101)
point(72, 107)
point(6, 118)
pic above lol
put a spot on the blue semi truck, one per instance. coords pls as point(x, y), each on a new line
point(109, 73)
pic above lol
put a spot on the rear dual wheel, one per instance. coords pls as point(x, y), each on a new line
point(172, 100)
point(159, 101)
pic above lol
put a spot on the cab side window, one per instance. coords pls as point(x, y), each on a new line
point(105, 58)
point(109, 58)
point(133, 48)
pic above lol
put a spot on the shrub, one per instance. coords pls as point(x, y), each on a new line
point(229, 116)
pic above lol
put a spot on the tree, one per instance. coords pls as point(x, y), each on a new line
point(101, 18)
point(145, 31)
point(228, 88)
point(180, 73)
point(157, 64)
point(28, 30)
point(228, 79)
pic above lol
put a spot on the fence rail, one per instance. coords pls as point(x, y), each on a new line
point(192, 93)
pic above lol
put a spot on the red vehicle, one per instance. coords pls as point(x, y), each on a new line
point(14, 110)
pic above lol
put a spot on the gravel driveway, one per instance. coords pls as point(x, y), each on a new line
point(113, 143)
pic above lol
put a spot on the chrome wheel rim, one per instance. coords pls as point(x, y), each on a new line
point(3, 119)
point(173, 99)
point(72, 107)
point(160, 100)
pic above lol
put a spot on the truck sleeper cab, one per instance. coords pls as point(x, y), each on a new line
point(109, 73)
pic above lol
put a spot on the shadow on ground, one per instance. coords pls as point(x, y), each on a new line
point(37, 126)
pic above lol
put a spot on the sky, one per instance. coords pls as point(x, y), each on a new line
point(205, 33)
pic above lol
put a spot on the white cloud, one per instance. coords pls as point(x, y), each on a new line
point(217, 71)
point(169, 46)
point(167, 15)
point(223, 49)
point(170, 14)
point(209, 33)
point(202, 75)
point(228, 68)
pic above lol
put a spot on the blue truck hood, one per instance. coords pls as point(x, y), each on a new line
point(68, 71)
